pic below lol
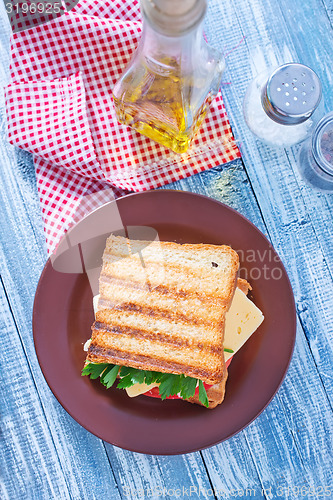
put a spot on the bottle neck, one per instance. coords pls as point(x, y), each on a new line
point(171, 51)
point(173, 17)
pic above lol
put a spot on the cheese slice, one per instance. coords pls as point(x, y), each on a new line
point(86, 345)
point(95, 303)
point(137, 389)
point(242, 320)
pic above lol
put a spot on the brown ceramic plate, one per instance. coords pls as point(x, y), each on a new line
point(63, 314)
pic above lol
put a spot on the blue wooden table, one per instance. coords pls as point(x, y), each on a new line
point(287, 451)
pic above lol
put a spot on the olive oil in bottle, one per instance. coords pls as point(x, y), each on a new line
point(168, 86)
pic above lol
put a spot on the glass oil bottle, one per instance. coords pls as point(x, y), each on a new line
point(173, 77)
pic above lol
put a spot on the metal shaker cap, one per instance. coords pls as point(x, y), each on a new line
point(174, 17)
point(291, 94)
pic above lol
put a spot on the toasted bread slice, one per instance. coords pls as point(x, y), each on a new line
point(215, 393)
point(244, 285)
point(162, 307)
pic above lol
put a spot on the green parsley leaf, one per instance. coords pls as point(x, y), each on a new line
point(105, 372)
point(94, 370)
point(125, 370)
point(125, 382)
point(130, 376)
point(189, 385)
point(228, 350)
point(152, 377)
point(137, 376)
point(109, 376)
point(203, 394)
point(170, 385)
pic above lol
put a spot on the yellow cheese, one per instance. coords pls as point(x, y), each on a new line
point(86, 345)
point(138, 389)
point(242, 319)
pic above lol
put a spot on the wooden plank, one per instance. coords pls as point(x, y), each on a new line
point(30, 463)
point(147, 476)
point(314, 48)
point(311, 35)
point(329, 9)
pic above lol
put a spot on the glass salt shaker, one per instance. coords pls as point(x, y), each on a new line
point(282, 107)
point(173, 77)
point(315, 160)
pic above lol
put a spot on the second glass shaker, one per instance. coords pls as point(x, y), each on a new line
point(315, 160)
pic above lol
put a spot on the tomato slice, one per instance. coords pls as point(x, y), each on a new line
point(228, 362)
point(154, 392)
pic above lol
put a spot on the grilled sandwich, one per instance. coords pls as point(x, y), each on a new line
point(161, 309)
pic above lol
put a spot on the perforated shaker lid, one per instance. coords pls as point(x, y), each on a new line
point(174, 17)
point(291, 94)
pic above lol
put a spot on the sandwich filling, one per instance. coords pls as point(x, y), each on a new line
point(168, 384)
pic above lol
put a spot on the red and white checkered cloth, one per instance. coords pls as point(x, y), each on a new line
point(59, 107)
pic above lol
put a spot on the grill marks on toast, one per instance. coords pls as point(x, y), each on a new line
point(172, 274)
point(156, 336)
point(182, 307)
point(163, 309)
point(146, 310)
point(142, 361)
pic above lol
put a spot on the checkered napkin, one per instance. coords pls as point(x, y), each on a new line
point(59, 107)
